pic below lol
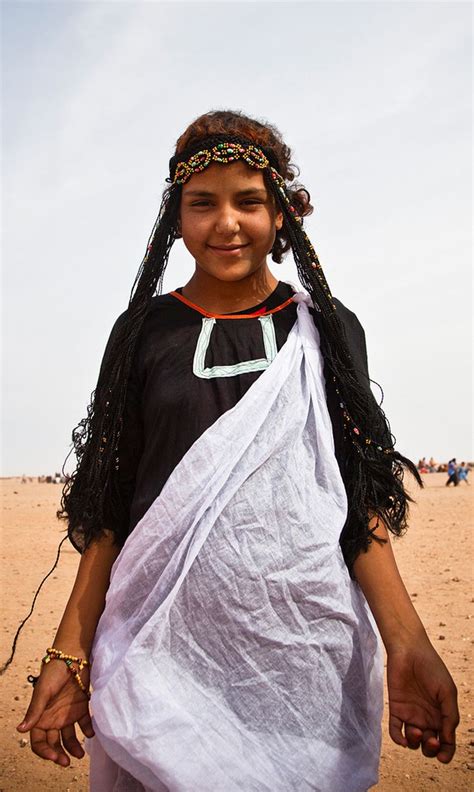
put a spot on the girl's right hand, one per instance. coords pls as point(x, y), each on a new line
point(57, 704)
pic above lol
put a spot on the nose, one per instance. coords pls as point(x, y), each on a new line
point(227, 221)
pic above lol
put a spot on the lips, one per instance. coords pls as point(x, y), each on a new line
point(227, 247)
point(227, 252)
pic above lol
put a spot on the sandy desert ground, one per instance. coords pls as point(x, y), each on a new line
point(435, 558)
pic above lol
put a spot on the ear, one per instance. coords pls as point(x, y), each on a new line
point(279, 221)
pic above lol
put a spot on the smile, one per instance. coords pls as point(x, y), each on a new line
point(228, 251)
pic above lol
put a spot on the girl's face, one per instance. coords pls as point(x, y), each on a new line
point(228, 220)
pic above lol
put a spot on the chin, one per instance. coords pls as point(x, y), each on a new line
point(232, 274)
point(229, 271)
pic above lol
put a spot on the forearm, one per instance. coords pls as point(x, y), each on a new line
point(86, 603)
point(377, 573)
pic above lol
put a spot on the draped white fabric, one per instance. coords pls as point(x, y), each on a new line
point(235, 654)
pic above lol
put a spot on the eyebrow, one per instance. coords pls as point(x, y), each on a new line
point(240, 193)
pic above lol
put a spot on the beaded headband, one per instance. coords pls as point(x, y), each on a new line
point(223, 153)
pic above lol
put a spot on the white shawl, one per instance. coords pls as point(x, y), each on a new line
point(235, 654)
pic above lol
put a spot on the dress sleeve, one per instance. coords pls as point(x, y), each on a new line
point(116, 515)
point(129, 452)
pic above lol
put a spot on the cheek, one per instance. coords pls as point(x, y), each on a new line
point(260, 227)
point(194, 228)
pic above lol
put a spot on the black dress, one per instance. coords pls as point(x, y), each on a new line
point(170, 403)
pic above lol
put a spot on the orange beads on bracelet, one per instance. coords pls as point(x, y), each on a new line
point(74, 664)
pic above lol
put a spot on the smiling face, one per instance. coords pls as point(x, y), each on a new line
point(228, 220)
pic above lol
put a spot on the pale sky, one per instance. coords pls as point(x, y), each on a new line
point(374, 99)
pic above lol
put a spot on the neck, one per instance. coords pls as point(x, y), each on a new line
point(219, 296)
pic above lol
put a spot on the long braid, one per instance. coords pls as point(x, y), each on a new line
point(92, 492)
point(96, 438)
point(373, 471)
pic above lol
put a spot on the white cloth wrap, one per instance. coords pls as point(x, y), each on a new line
point(235, 654)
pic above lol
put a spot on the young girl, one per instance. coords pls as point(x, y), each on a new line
point(235, 486)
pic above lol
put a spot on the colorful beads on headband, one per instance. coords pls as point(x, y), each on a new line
point(199, 161)
point(254, 157)
point(227, 152)
point(182, 172)
point(224, 153)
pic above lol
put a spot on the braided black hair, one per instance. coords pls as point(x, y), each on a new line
point(372, 471)
point(91, 499)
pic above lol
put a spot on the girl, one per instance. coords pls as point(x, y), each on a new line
point(235, 488)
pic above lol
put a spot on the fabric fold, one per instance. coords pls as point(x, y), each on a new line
point(234, 651)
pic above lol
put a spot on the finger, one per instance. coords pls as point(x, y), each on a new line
point(447, 739)
point(413, 735)
point(86, 725)
point(430, 743)
point(40, 745)
point(395, 731)
point(70, 741)
point(34, 712)
point(53, 740)
point(449, 724)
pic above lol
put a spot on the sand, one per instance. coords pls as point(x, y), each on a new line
point(435, 558)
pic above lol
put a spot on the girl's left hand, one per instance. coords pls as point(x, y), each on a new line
point(422, 701)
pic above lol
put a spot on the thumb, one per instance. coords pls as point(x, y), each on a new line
point(34, 712)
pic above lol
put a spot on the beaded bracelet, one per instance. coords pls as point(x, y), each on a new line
point(71, 661)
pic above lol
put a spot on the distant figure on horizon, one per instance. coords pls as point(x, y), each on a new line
point(462, 472)
point(432, 465)
point(452, 473)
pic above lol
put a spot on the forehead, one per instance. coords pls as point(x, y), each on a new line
point(220, 178)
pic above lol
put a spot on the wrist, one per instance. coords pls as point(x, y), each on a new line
point(71, 648)
point(72, 644)
point(401, 636)
point(75, 665)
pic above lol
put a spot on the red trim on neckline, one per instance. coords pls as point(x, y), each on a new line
point(261, 312)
